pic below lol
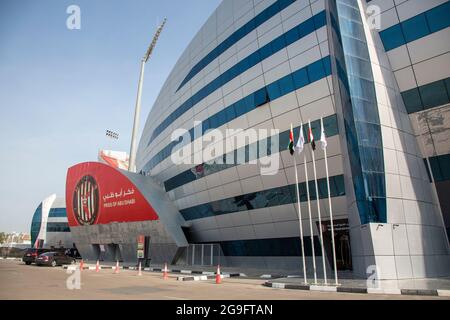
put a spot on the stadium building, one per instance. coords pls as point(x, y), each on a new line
point(377, 72)
point(49, 226)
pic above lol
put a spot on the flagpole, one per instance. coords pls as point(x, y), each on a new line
point(329, 204)
point(299, 213)
point(318, 212)
point(310, 221)
point(300, 220)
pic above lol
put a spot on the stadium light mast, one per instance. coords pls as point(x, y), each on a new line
point(137, 111)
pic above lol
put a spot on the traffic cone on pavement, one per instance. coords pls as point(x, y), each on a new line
point(97, 266)
point(116, 270)
point(165, 274)
point(218, 278)
point(81, 265)
point(140, 270)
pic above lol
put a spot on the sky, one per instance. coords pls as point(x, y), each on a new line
point(61, 89)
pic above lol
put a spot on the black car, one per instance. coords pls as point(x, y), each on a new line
point(31, 254)
point(54, 259)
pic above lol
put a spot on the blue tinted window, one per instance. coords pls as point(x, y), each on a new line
point(265, 198)
point(291, 36)
point(274, 90)
point(412, 101)
point(392, 37)
point(261, 97)
point(427, 96)
point(440, 165)
point(57, 227)
point(439, 17)
point(300, 78)
point(447, 85)
point(362, 127)
point(286, 84)
point(316, 71)
point(57, 213)
point(434, 94)
point(36, 224)
point(415, 28)
point(230, 113)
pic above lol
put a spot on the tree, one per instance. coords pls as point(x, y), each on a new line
point(2, 237)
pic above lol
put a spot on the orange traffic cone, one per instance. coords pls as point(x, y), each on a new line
point(116, 270)
point(97, 266)
point(81, 265)
point(140, 270)
point(165, 274)
point(218, 278)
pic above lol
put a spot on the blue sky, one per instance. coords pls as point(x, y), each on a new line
point(60, 89)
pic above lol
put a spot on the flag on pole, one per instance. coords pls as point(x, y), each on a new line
point(311, 137)
point(300, 141)
point(291, 141)
point(323, 138)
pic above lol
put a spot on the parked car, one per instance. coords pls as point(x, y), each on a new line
point(54, 259)
point(31, 254)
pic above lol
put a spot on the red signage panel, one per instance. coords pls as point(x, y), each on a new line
point(99, 194)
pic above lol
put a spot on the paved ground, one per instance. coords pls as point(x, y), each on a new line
point(19, 281)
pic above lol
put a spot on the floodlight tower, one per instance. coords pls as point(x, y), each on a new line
point(137, 111)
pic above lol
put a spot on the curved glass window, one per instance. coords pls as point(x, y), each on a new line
point(360, 110)
point(36, 224)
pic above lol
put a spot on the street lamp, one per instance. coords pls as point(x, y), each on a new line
point(137, 111)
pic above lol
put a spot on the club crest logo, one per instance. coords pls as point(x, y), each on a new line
point(85, 201)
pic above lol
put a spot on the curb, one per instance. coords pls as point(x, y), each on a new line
point(207, 277)
point(181, 271)
point(416, 292)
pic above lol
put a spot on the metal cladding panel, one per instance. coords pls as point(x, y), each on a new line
point(99, 194)
point(167, 211)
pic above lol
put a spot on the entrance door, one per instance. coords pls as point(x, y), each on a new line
point(342, 243)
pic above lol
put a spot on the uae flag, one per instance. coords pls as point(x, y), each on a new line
point(291, 141)
point(311, 137)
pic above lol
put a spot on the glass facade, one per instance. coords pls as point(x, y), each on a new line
point(416, 27)
point(58, 227)
point(57, 213)
point(36, 224)
point(440, 165)
point(293, 35)
point(360, 110)
point(266, 198)
point(254, 23)
point(427, 96)
point(276, 247)
point(294, 81)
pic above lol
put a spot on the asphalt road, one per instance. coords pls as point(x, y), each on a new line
point(19, 281)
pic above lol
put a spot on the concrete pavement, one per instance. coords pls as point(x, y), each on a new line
point(19, 281)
